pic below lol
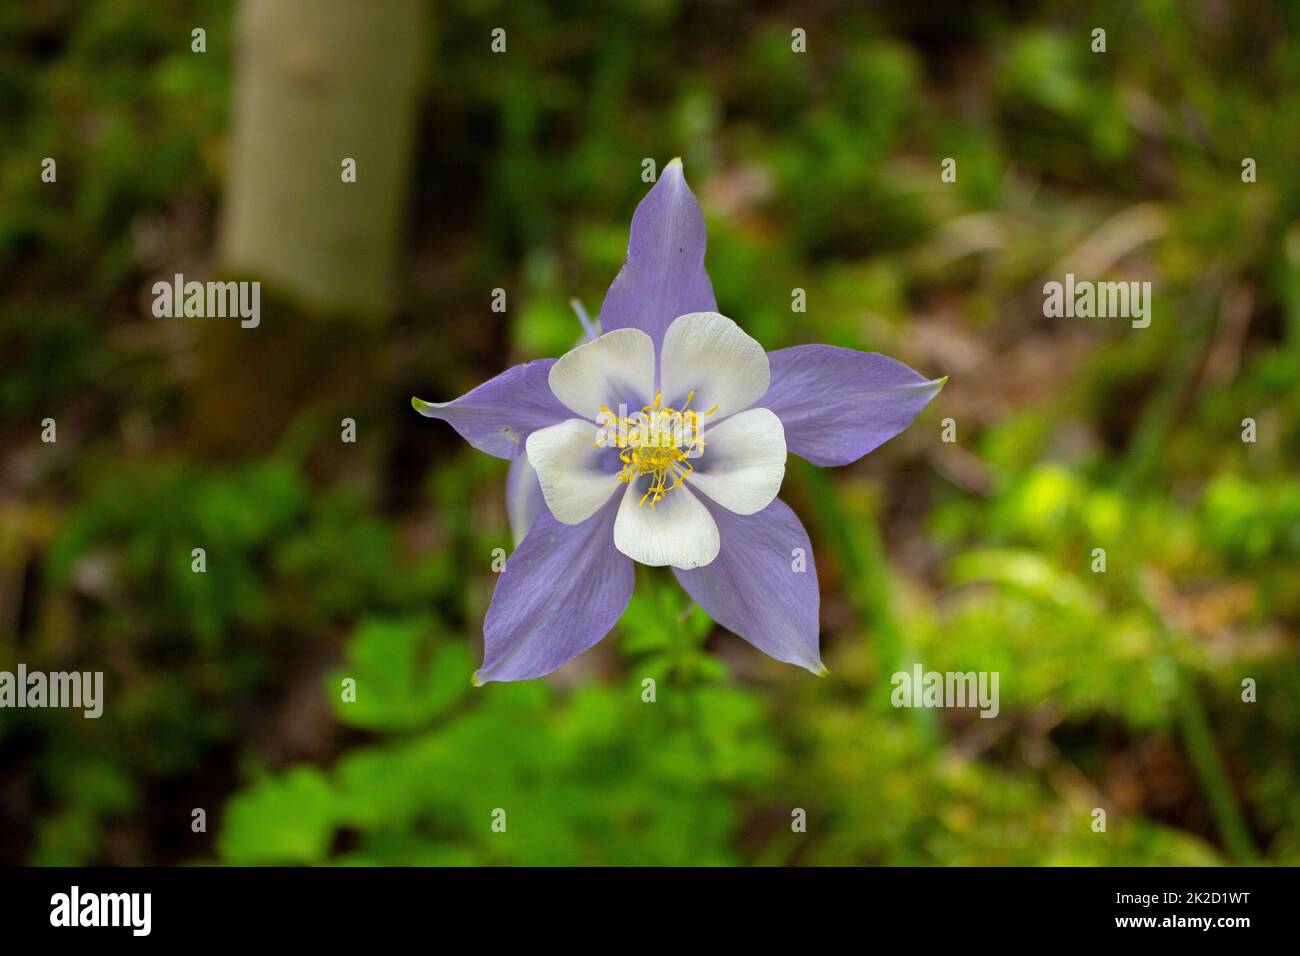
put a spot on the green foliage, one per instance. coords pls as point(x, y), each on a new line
point(231, 517)
point(403, 680)
point(286, 819)
point(559, 768)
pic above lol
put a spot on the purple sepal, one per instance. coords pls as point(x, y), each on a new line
point(562, 590)
point(838, 404)
point(763, 583)
point(498, 416)
point(664, 275)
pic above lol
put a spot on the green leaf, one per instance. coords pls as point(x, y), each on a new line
point(403, 680)
point(285, 819)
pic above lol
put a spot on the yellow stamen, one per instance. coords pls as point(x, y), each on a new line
point(656, 441)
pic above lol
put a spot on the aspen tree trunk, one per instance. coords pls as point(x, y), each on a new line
point(318, 82)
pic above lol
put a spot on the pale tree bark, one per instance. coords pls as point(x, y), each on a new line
point(318, 82)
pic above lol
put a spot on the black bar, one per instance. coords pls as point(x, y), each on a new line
point(547, 906)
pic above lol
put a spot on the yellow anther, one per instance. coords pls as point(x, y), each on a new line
point(654, 442)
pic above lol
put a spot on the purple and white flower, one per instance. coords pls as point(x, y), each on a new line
point(663, 441)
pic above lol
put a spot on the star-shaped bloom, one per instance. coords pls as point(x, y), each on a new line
point(663, 440)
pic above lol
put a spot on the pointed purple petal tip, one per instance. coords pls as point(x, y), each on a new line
point(663, 276)
point(838, 404)
point(753, 590)
point(498, 416)
point(562, 590)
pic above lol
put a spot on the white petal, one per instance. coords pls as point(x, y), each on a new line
point(575, 476)
point(618, 367)
point(743, 462)
point(708, 353)
point(678, 530)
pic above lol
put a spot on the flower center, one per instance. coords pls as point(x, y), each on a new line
point(656, 441)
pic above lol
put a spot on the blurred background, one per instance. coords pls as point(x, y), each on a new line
point(520, 170)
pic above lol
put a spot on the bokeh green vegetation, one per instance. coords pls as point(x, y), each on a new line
point(1120, 690)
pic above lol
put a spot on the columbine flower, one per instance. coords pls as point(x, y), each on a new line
point(663, 440)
